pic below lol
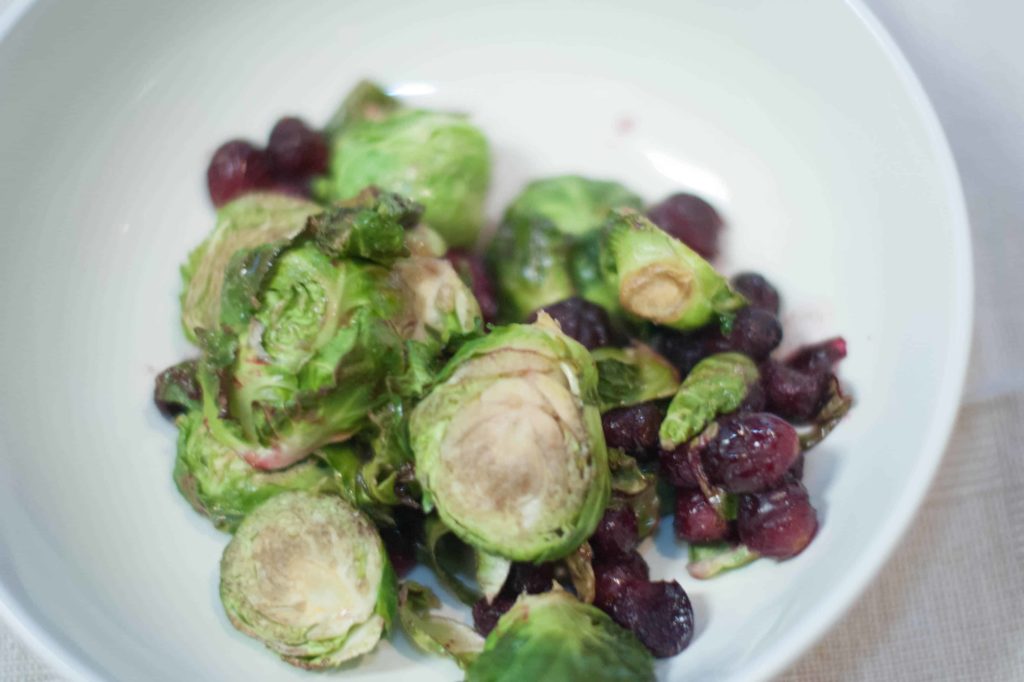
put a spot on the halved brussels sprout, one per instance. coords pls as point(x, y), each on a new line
point(439, 159)
point(308, 576)
point(367, 101)
point(224, 487)
point(575, 204)
point(249, 221)
point(554, 636)
point(659, 278)
point(628, 376)
point(509, 445)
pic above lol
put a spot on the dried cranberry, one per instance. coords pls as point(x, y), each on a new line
point(683, 350)
point(818, 358)
point(471, 269)
point(616, 534)
point(583, 320)
point(754, 332)
point(691, 220)
point(658, 613)
point(400, 539)
point(528, 578)
point(612, 576)
point(797, 470)
point(758, 291)
point(755, 400)
point(296, 150)
point(237, 167)
point(778, 523)
point(486, 616)
point(791, 393)
point(634, 429)
point(675, 466)
point(750, 452)
point(696, 520)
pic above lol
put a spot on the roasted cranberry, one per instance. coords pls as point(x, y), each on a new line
point(471, 269)
point(755, 400)
point(696, 520)
point(791, 393)
point(683, 350)
point(293, 188)
point(400, 539)
point(486, 616)
point(634, 429)
point(616, 534)
point(778, 523)
point(691, 220)
point(675, 466)
point(529, 578)
point(658, 613)
point(611, 576)
point(177, 388)
point(818, 358)
point(584, 321)
point(295, 150)
point(236, 168)
point(758, 291)
point(750, 452)
point(797, 470)
point(754, 332)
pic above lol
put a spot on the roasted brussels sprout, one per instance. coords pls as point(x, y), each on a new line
point(509, 445)
point(554, 636)
point(224, 487)
point(659, 278)
point(574, 204)
point(432, 633)
point(628, 376)
point(308, 576)
point(437, 158)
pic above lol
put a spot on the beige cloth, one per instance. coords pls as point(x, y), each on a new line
point(949, 605)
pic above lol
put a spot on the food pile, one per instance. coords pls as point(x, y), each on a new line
point(374, 389)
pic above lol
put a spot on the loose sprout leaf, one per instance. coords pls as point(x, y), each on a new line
point(832, 412)
point(434, 634)
point(633, 488)
point(588, 277)
point(491, 572)
point(367, 101)
point(554, 636)
point(244, 278)
point(370, 226)
point(574, 204)
point(627, 478)
point(716, 385)
point(629, 376)
point(708, 560)
point(446, 555)
point(580, 565)
point(528, 257)
point(660, 279)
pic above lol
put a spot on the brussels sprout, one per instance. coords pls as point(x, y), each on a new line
point(491, 572)
point(308, 576)
point(177, 389)
point(589, 277)
point(628, 376)
point(435, 634)
point(366, 102)
point(528, 257)
point(425, 241)
point(447, 556)
point(509, 445)
point(222, 486)
point(554, 636)
point(438, 159)
point(576, 205)
point(659, 278)
point(370, 226)
point(708, 560)
point(249, 221)
point(439, 306)
point(716, 385)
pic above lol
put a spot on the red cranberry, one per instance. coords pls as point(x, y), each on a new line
point(691, 220)
point(658, 613)
point(612, 576)
point(616, 534)
point(758, 291)
point(486, 615)
point(471, 269)
point(778, 523)
point(791, 393)
point(237, 167)
point(295, 150)
point(634, 429)
point(583, 320)
point(750, 452)
point(696, 520)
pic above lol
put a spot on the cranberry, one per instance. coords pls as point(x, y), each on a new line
point(299, 189)
point(683, 350)
point(471, 269)
point(612, 576)
point(691, 220)
point(758, 291)
point(486, 616)
point(237, 167)
point(400, 539)
point(528, 578)
point(818, 358)
point(634, 429)
point(754, 332)
point(791, 393)
point(750, 452)
point(696, 520)
point(778, 523)
point(616, 534)
point(797, 470)
point(177, 388)
point(295, 150)
point(658, 613)
point(583, 320)
point(675, 466)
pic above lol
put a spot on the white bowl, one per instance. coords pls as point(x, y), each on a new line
point(800, 120)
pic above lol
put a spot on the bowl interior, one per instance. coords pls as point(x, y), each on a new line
point(793, 118)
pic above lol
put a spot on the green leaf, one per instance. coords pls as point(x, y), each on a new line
point(434, 634)
point(574, 204)
point(446, 555)
point(710, 559)
point(244, 278)
point(716, 385)
point(629, 376)
point(580, 565)
point(370, 226)
point(367, 101)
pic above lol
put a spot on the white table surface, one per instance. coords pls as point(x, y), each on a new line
point(948, 605)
